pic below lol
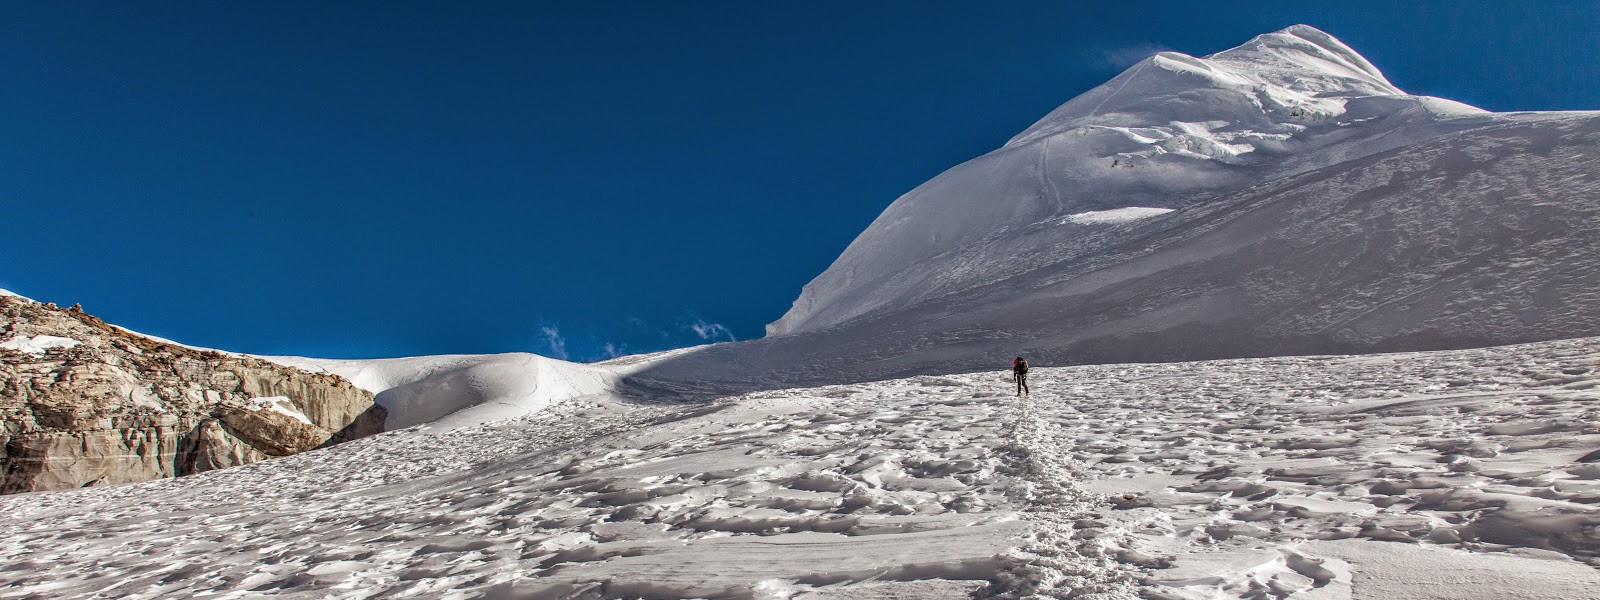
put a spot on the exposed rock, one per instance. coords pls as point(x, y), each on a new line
point(85, 403)
point(213, 447)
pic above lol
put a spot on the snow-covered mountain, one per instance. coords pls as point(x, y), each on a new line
point(1171, 131)
point(1281, 197)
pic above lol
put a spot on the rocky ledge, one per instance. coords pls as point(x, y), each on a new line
point(86, 403)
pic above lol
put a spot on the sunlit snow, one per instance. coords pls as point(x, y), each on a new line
point(1316, 477)
point(808, 466)
point(1117, 215)
point(1171, 129)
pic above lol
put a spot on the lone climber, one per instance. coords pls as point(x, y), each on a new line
point(1019, 370)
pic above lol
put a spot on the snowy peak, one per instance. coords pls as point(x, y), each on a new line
point(1307, 58)
point(1172, 132)
point(1271, 86)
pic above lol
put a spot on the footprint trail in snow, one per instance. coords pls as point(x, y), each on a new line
point(1409, 475)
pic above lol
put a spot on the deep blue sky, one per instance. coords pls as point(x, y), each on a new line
point(391, 178)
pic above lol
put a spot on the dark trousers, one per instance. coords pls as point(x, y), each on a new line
point(1022, 381)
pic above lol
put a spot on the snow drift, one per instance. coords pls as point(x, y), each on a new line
point(465, 389)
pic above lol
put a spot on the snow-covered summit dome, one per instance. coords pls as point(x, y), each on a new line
point(1170, 131)
point(1272, 85)
point(1306, 57)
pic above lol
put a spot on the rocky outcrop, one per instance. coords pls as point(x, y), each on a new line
point(86, 403)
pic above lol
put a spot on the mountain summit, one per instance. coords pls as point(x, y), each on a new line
point(1274, 84)
point(1280, 197)
point(1170, 131)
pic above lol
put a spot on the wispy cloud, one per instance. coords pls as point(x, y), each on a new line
point(612, 350)
point(1127, 56)
point(711, 331)
point(558, 344)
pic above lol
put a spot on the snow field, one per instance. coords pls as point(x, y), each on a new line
point(1305, 477)
point(1432, 475)
point(890, 488)
point(1069, 553)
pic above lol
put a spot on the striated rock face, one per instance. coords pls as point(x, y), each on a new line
point(84, 403)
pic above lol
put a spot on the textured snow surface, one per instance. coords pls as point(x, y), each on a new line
point(1463, 474)
point(37, 345)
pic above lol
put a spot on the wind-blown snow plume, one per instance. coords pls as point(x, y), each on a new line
point(553, 339)
point(1127, 56)
point(712, 331)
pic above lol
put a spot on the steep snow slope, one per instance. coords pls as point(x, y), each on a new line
point(1172, 131)
point(1464, 474)
point(1281, 197)
point(1475, 238)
